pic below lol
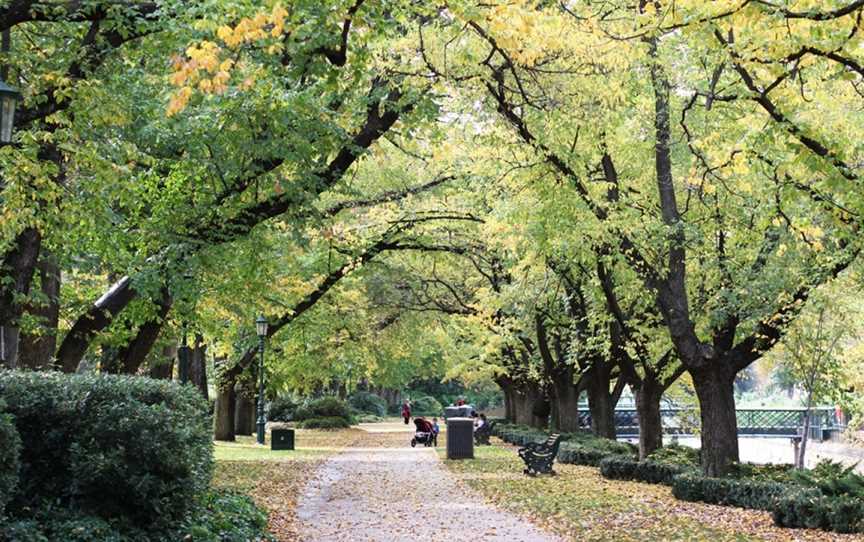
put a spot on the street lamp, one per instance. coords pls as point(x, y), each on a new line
point(261, 329)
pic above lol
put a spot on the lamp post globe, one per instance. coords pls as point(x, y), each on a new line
point(261, 330)
point(8, 101)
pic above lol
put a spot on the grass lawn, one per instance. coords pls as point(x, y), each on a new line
point(275, 479)
point(581, 505)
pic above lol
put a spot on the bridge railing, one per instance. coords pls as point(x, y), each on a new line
point(776, 422)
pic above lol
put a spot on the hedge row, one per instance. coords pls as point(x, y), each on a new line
point(752, 494)
point(807, 509)
point(576, 448)
point(791, 503)
point(650, 472)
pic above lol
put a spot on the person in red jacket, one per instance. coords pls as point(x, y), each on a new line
point(406, 411)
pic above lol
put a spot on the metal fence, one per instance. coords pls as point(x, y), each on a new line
point(763, 422)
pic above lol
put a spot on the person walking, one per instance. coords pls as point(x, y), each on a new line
point(406, 411)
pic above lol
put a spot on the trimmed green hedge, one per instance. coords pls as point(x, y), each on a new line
point(576, 448)
point(809, 509)
point(128, 449)
point(327, 422)
point(649, 471)
point(10, 448)
point(752, 494)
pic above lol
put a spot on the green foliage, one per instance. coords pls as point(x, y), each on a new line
point(616, 467)
point(426, 406)
point(282, 409)
point(325, 407)
point(808, 509)
point(216, 516)
point(326, 422)
point(676, 454)
point(10, 448)
point(129, 449)
point(751, 494)
point(832, 478)
point(223, 516)
point(781, 473)
point(368, 403)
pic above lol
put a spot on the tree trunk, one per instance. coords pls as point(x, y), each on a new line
point(133, 355)
point(163, 367)
point(198, 366)
point(35, 351)
point(508, 389)
point(223, 416)
point(17, 270)
point(716, 394)
point(97, 318)
point(805, 435)
point(509, 407)
point(647, 397)
point(565, 403)
point(244, 416)
point(601, 403)
point(532, 406)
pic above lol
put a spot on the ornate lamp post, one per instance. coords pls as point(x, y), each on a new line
point(8, 98)
point(261, 329)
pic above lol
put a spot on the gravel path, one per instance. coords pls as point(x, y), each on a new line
point(395, 494)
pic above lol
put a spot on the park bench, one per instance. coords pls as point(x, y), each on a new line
point(539, 456)
point(481, 435)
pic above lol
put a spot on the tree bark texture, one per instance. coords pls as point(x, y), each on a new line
point(244, 416)
point(36, 350)
point(198, 366)
point(17, 268)
point(223, 415)
point(647, 398)
point(716, 393)
point(531, 405)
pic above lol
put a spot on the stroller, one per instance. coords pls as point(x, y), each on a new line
point(423, 433)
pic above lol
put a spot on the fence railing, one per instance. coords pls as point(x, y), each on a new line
point(772, 422)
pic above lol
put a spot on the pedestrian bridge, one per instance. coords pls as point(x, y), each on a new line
point(753, 422)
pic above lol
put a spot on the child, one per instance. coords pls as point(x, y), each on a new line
point(435, 430)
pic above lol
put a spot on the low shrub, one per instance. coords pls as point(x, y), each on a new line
point(426, 406)
point(752, 494)
point(764, 473)
point(325, 407)
point(368, 418)
point(577, 454)
point(576, 448)
point(10, 448)
point(282, 409)
point(649, 471)
point(218, 516)
point(676, 454)
point(832, 478)
point(368, 403)
point(326, 422)
point(224, 516)
point(806, 508)
point(127, 449)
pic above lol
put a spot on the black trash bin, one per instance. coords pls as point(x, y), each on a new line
point(460, 438)
point(282, 439)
